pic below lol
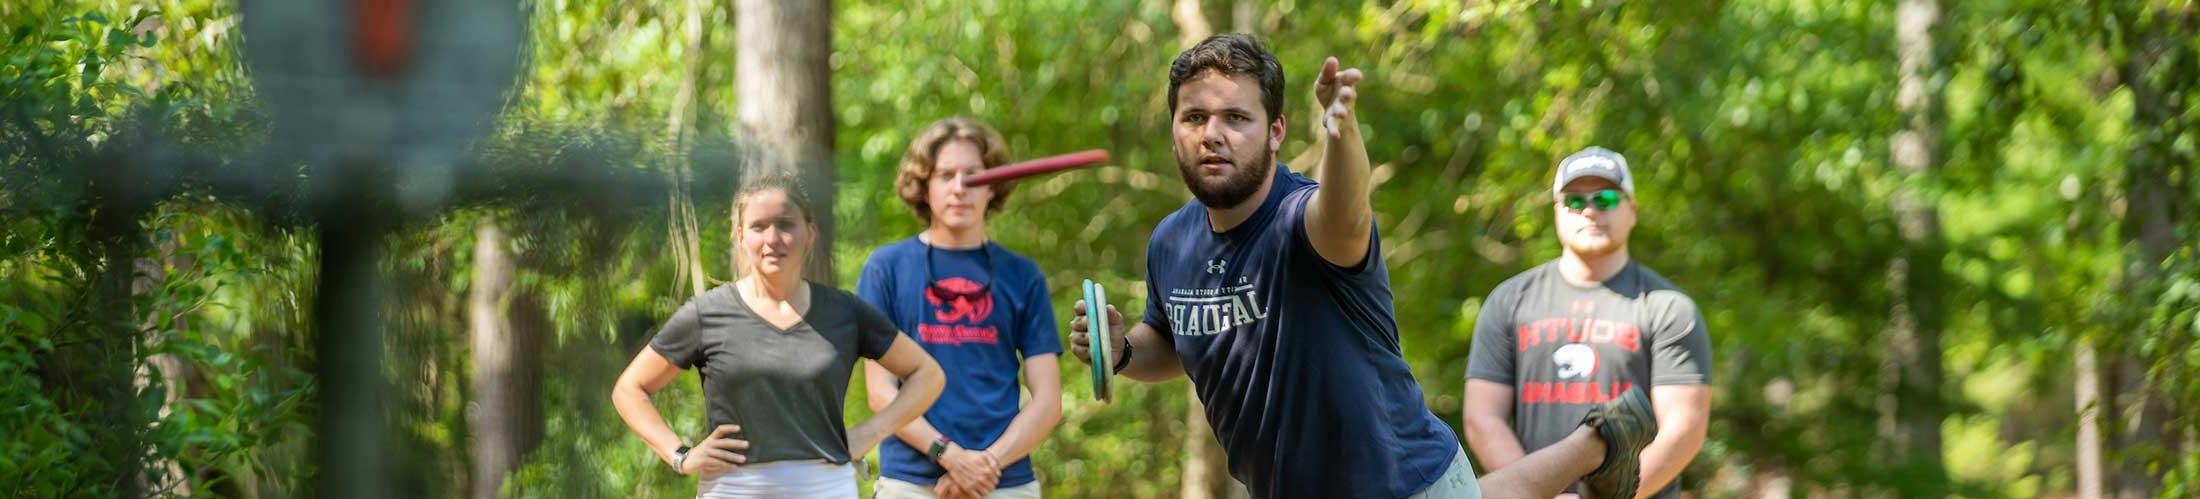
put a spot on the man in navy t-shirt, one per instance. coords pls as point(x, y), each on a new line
point(980, 309)
point(1270, 293)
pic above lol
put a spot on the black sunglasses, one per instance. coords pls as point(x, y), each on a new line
point(1606, 199)
point(934, 290)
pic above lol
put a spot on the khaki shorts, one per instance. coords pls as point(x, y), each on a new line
point(888, 488)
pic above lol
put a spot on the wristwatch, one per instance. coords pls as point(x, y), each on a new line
point(1123, 358)
point(679, 456)
point(939, 448)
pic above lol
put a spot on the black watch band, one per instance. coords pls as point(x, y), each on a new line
point(1123, 358)
point(938, 448)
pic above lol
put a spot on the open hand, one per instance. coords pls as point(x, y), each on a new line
point(718, 453)
point(1336, 91)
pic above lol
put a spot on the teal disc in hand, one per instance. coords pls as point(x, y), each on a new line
point(1103, 341)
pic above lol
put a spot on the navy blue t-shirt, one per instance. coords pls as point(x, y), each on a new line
point(980, 312)
point(1296, 358)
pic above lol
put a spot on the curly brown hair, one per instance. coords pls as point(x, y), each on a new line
point(918, 162)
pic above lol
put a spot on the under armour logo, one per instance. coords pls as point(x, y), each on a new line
point(1217, 266)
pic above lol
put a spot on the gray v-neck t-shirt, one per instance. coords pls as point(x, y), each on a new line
point(784, 386)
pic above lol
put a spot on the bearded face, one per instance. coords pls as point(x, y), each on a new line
point(1225, 142)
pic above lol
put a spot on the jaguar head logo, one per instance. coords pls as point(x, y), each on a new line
point(1575, 361)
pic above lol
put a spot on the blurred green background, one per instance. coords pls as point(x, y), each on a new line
point(2046, 271)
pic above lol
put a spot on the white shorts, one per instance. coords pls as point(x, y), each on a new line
point(799, 479)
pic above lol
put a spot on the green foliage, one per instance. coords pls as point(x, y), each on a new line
point(2175, 365)
point(240, 418)
point(217, 381)
point(191, 350)
point(53, 82)
point(43, 443)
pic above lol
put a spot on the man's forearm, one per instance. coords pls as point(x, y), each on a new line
point(1493, 444)
point(1684, 414)
point(1031, 426)
point(1153, 358)
point(919, 434)
point(922, 387)
point(1038, 416)
point(1343, 202)
point(881, 390)
point(1665, 457)
point(1345, 170)
point(1340, 219)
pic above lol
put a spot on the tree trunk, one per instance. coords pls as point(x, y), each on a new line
point(2159, 71)
point(1191, 23)
point(2140, 416)
point(2089, 405)
point(783, 96)
point(1774, 485)
point(1199, 456)
point(90, 372)
point(679, 121)
point(503, 385)
point(686, 239)
point(168, 475)
point(103, 369)
point(1910, 400)
point(1245, 16)
point(1206, 471)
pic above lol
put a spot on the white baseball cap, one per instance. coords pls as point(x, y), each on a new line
point(1594, 162)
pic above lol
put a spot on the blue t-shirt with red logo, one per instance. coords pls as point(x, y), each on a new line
point(1297, 359)
point(980, 312)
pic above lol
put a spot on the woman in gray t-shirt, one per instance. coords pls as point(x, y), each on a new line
point(775, 353)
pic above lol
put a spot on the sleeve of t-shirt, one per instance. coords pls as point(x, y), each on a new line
point(680, 340)
point(876, 284)
point(1491, 356)
point(1295, 215)
point(1155, 316)
point(875, 333)
point(1681, 354)
point(1035, 332)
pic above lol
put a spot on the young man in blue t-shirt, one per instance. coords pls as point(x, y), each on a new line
point(1270, 293)
point(980, 309)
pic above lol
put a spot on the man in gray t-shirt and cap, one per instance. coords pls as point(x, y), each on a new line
point(1564, 336)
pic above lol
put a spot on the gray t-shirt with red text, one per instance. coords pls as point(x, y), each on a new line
point(1565, 347)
